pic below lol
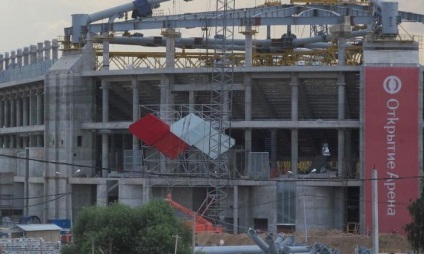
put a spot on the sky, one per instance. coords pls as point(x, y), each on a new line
point(26, 22)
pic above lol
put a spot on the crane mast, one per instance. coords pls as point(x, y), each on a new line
point(222, 79)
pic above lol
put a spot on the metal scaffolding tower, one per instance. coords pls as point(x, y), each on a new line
point(222, 79)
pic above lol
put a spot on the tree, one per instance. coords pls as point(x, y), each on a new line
point(415, 229)
point(149, 229)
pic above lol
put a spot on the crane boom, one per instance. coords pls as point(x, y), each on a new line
point(201, 223)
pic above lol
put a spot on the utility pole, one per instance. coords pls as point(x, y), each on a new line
point(176, 242)
point(375, 243)
point(193, 240)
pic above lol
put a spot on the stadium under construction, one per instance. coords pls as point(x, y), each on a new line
point(244, 126)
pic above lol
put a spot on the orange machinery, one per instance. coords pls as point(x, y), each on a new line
point(201, 224)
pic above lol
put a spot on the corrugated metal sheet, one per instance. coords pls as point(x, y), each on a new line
point(39, 227)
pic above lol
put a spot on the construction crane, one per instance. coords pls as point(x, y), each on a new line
point(200, 223)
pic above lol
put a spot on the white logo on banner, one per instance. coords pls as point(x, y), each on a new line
point(392, 84)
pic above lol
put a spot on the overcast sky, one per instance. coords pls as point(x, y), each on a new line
point(26, 22)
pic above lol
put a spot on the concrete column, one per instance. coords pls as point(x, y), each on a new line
point(294, 83)
point(105, 52)
point(247, 117)
point(191, 101)
point(12, 110)
point(1, 112)
point(1, 62)
point(47, 49)
point(105, 119)
point(25, 109)
point(26, 56)
point(235, 209)
point(5, 141)
point(12, 141)
point(55, 50)
point(341, 116)
point(25, 142)
point(274, 148)
point(40, 50)
point(6, 60)
point(13, 59)
point(6, 112)
point(170, 35)
point(19, 58)
point(101, 199)
point(32, 54)
point(248, 57)
point(342, 51)
point(136, 116)
point(18, 111)
point(146, 190)
point(40, 110)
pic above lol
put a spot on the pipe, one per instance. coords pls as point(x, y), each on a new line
point(143, 8)
point(295, 249)
point(246, 249)
point(271, 244)
point(261, 243)
point(377, 3)
point(200, 43)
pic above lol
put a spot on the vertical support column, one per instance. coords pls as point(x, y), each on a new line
point(47, 49)
point(26, 56)
point(294, 83)
point(105, 51)
point(191, 100)
point(146, 190)
point(32, 54)
point(12, 141)
point(40, 51)
point(1, 112)
point(248, 57)
point(1, 62)
point(55, 50)
point(13, 59)
point(18, 110)
point(6, 60)
point(102, 193)
point(273, 148)
point(39, 96)
point(235, 209)
point(6, 111)
point(341, 133)
point(247, 117)
point(25, 109)
point(19, 58)
point(12, 110)
point(136, 116)
point(105, 119)
point(170, 35)
point(40, 115)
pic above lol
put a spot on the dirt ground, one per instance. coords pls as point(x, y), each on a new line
point(344, 242)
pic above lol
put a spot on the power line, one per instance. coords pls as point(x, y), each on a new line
point(304, 177)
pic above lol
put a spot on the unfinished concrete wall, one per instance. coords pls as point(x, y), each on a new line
point(131, 195)
point(69, 100)
point(323, 206)
point(82, 196)
point(264, 205)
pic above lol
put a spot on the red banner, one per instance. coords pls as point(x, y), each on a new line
point(391, 128)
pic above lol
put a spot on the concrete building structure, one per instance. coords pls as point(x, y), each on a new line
point(65, 142)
